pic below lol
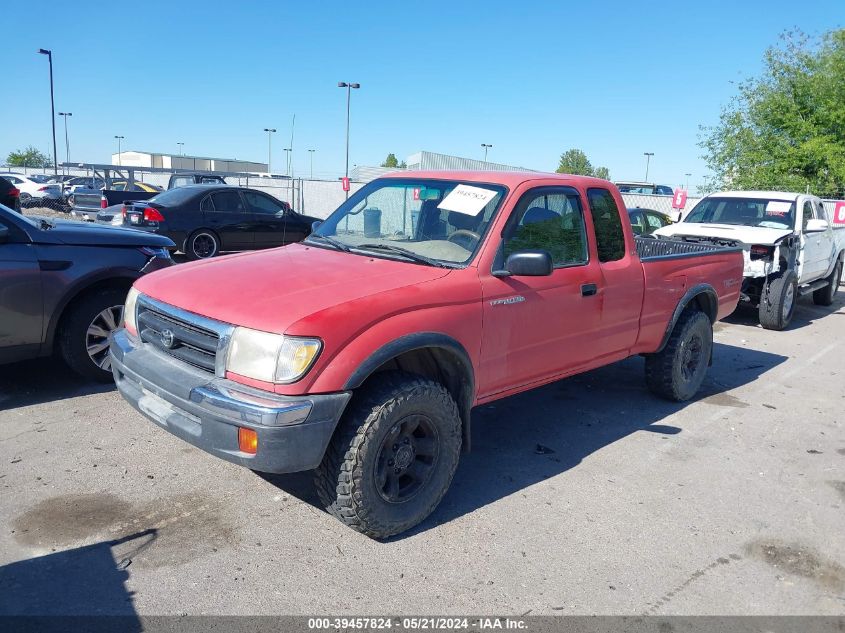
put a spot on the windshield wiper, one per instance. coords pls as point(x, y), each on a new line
point(405, 253)
point(336, 243)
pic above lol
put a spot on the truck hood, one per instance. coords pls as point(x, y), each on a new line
point(270, 290)
point(83, 234)
point(742, 234)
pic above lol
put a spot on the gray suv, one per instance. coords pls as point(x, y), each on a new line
point(63, 285)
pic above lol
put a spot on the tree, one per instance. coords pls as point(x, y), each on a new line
point(575, 161)
point(29, 157)
point(785, 129)
point(390, 161)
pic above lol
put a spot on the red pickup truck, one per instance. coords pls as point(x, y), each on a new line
point(361, 351)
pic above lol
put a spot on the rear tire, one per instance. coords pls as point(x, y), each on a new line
point(84, 331)
point(776, 312)
point(677, 371)
point(202, 244)
point(825, 296)
point(393, 455)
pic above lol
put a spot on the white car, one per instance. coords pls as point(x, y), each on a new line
point(33, 190)
point(790, 245)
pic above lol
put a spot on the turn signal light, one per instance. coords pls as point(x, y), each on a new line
point(152, 215)
point(15, 192)
point(759, 251)
point(103, 202)
point(248, 441)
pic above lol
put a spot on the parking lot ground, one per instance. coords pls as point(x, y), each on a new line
point(586, 496)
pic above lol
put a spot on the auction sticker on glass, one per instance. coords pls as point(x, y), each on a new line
point(778, 207)
point(466, 199)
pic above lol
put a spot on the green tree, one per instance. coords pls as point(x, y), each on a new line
point(391, 161)
point(29, 157)
point(575, 161)
point(785, 129)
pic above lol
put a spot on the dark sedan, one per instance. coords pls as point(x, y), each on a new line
point(204, 220)
point(63, 287)
point(10, 195)
point(647, 221)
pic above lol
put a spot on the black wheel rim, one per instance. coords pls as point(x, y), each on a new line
point(407, 458)
point(204, 246)
point(691, 353)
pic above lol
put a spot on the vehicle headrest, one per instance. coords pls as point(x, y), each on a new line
point(538, 214)
point(464, 221)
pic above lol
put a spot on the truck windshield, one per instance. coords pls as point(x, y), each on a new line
point(442, 221)
point(763, 212)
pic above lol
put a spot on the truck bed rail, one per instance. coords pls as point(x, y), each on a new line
point(652, 249)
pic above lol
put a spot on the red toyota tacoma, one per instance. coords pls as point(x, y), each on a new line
point(361, 351)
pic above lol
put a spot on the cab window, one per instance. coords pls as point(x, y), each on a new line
point(610, 239)
point(549, 219)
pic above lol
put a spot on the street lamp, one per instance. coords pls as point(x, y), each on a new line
point(311, 155)
point(119, 138)
point(49, 54)
point(269, 131)
point(181, 148)
point(687, 186)
point(287, 151)
point(67, 145)
point(648, 156)
point(486, 146)
point(349, 87)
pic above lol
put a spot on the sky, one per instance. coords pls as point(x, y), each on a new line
point(533, 79)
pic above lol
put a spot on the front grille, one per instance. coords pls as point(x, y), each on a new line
point(189, 343)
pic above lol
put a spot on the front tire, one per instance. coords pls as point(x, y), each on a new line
point(776, 311)
point(677, 371)
point(393, 455)
point(202, 244)
point(825, 296)
point(85, 330)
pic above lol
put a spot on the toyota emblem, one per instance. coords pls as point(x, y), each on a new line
point(168, 338)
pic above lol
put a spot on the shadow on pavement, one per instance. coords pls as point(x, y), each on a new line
point(527, 438)
point(806, 312)
point(85, 581)
point(43, 380)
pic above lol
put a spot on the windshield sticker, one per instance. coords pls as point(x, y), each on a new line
point(467, 200)
point(778, 207)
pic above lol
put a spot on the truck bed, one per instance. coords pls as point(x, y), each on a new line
point(652, 249)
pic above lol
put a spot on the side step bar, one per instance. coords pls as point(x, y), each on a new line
point(805, 290)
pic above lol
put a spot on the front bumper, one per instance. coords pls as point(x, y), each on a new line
point(206, 411)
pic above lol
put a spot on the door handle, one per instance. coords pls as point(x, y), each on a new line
point(588, 290)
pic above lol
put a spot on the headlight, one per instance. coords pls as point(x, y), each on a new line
point(129, 311)
point(271, 357)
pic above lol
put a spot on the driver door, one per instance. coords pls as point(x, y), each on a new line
point(21, 301)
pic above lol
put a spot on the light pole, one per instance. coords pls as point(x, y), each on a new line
point(119, 138)
point(686, 188)
point(486, 146)
point(181, 148)
point(287, 151)
point(349, 87)
point(269, 131)
point(67, 145)
point(311, 155)
point(49, 54)
point(648, 156)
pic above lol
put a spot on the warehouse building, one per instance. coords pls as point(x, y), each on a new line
point(431, 160)
point(131, 158)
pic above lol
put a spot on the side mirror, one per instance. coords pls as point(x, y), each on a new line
point(528, 264)
point(4, 234)
point(816, 225)
point(315, 225)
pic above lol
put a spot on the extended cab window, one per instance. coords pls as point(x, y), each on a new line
point(610, 239)
point(549, 219)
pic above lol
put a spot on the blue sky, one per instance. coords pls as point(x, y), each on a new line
point(615, 79)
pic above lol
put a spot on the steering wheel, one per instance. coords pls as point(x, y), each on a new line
point(469, 238)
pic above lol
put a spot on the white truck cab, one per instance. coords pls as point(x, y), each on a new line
point(790, 245)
